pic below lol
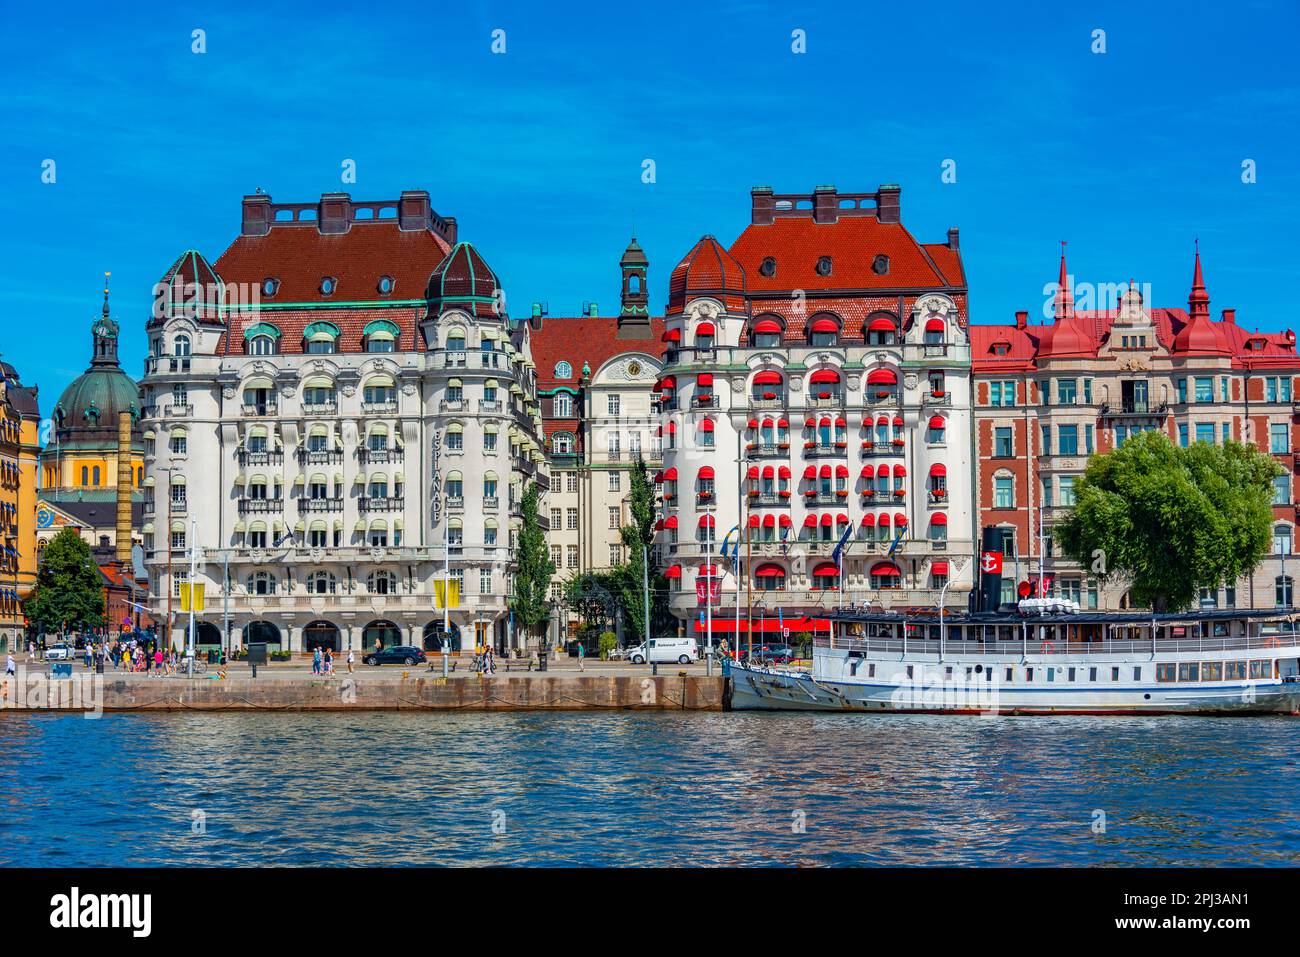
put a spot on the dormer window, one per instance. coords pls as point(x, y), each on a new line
point(824, 266)
point(270, 287)
point(385, 285)
point(1000, 348)
point(880, 265)
point(327, 285)
point(767, 267)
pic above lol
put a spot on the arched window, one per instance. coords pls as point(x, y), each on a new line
point(882, 330)
point(85, 475)
point(563, 370)
point(381, 335)
point(766, 333)
point(704, 335)
point(456, 340)
point(934, 329)
point(826, 577)
point(1281, 539)
point(261, 583)
point(182, 347)
point(769, 577)
point(379, 390)
point(886, 575)
point(321, 583)
point(562, 443)
point(321, 338)
point(936, 430)
point(318, 394)
point(94, 473)
point(381, 583)
point(823, 330)
point(261, 346)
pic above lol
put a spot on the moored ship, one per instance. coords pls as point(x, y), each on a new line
point(1046, 658)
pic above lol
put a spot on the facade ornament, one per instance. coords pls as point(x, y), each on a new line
point(408, 388)
point(317, 555)
point(796, 384)
point(853, 383)
point(228, 392)
point(257, 556)
point(377, 553)
point(910, 380)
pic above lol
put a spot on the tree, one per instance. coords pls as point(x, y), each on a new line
point(69, 587)
point(533, 567)
point(638, 539)
point(1171, 520)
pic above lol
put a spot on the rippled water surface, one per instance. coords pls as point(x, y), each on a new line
point(645, 789)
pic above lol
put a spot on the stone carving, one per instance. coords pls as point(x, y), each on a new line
point(257, 556)
point(349, 389)
point(910, 380)
point(796, 384)
point(228, 392)
point(408, 388)
point(317, 555)
point(377, 554)
point(630, 369)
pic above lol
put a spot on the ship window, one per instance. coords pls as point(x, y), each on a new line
point(1166, 672)
point(1092, 674)
point(871, 670)
point(1051, 674)
point(1010, 674)
point(1137, 674)
point(1210, 670)
point(1234, 670)
point(1070, 675)
point(1189, 671)
point(1114, 674)
point(1259, 669)
point(1029, 674)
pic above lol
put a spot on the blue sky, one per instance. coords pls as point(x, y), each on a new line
point(1128, 155)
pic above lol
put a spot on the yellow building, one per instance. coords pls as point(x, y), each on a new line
point(79, 464)
point(20, 423)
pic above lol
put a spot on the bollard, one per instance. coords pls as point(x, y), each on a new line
point(254, 666)
point(654, 668)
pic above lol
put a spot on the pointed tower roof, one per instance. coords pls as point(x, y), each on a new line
point(1198, 303)
point(1200, 336)
point(634, 255)
point(1063, 306)
point(1065, 337)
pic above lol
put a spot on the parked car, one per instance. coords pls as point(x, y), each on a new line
point(779, 654)
point(396, 655)
point(660, 650)
point(59, 653)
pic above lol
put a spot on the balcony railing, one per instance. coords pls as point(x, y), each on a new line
point(320, 408)
point(489, 405)
point(491, 503)
point(765, 450)
point(882, 397)
point(320, 504)
point(379, 408)
point(1133, 408)
point(832, 401)
point(762, 402)
point(260, 505)
point(379, 456)
point(931, 398)
point(321, 457)
point(260, 408)
point(705, 402)
point(872, 449)
point(260, 458)
point(377, 503)
point(819, 451)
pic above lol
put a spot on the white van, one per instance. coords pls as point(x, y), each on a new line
point(681, 650)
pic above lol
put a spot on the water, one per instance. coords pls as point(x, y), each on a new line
point(645, 789)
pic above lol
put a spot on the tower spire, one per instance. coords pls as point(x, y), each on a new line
point(1064, 303)
point(105, 310)
point(1198, 303)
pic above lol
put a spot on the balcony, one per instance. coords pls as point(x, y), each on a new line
point(454, 360)
point(456, 501)
point(882, 397)
point(255, 506)
point(491, 504)
point(379, 408)
point(260, 408)
point(320, 457)
point(379, 456)
point(489, 405)
point(819, 451)
point(451, 405)
point(260, 458)
point(320, 408)
point(873, 449)
point(379, 503)
point(762, 402)
point(937, 497)
point(770, 498)
point(178, 507)
point(941, 398)
point(768, 450)
point(705, 402)
point(827, 498)
point(320, 504)
point(1133, 409)
point(177, 410)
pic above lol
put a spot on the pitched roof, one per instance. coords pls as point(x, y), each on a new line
point(707, 270)
point(592, 340)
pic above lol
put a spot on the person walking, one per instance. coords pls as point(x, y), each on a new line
point(10, 670)
point(581, 651)
point(329, 662)
point(316, 661)
point(352, 660)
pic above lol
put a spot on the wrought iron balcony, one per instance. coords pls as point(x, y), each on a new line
point(390, 503)
point(320, 504)
point(260, 505)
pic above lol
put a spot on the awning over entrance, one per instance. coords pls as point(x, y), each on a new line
point(764, 625)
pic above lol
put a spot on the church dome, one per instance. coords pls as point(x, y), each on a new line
point(86, 414)
point(464, 280)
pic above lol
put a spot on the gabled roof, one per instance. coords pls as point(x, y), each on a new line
point(592, 340)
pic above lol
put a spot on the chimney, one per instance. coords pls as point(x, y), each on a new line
point(887, 210)
point(334, 213)
point(449, 229)
point(1230, 315)
point(593, 310)
point(954, 242)
point(826, 205)
point(125, 475)
point(1022, 319)
point(413, 210)
point(763, 206)
point(257, 215)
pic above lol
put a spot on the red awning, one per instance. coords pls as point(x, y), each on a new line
point(767, 423)
point(753, 472)
point(936, 422)
point(883, 420)
point(841, 471)
point(825, 422)
point(882, 472)
point(869, 521)
point(825, 375)
point(670, 521)
point(769, 521)
point(783, 472)
point(706, 472)
point(898, 421)
point(769, 571)
point(670, 474)
point(828, 519)
point(765, 626)
point(826, 568)
point(809, 522)
point(783, 424)
point(934, 325)
point(938, 518)
point(866, 472)
point(810, 472)
point(753, 520)
point(673, 335)
point(842, 519)
point(753, 423)
point(769, 472)
point(841, 422)
point(885, 568)
point(706, 425)
point(938, 568)
point(900, 520)
point(767, 377)
point(899, 470)
point(938, 469)
point(704, 329)
point(882, 325)
point(673, 571)
point(767, 325)
point(706, 521)
point(826, 471)
point(810, 422)
point(825, 325)
point(882, 376)
point(785, 521)
point(704, 379)
point(672, 428)
point(667, 383)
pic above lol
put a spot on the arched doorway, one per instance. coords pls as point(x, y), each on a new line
point(261, 631)
point(380, 631)
point(433, 637)
point(322, 635)
point(207, 636)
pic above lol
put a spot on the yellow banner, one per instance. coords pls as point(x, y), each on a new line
point(440, 589)
point(198, 597)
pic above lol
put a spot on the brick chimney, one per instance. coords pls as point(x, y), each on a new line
point(413, 210)
point(763, 208)
point(335, 213)
point(826, 205)
point(1022, 319)
point(954, 240)
point(1230, 315)
point(257, 215)
point(887, 209)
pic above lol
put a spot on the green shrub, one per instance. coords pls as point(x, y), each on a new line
point(608, 642)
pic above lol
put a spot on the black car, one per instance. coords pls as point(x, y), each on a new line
point(777, 653)
point(396, 655)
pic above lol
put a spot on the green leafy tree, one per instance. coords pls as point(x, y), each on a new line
point(1171, 520)
point(69, 588)
point(533, 569)
point(638, 539)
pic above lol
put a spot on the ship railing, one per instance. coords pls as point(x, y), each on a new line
point(1035, 646)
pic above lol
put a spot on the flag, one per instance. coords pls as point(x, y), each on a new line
point(197, 590)
point(446, 593)
point(894, 544)
point(839, 549)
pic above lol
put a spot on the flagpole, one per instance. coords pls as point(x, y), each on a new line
point(446, 588)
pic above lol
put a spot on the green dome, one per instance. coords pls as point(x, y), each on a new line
point(85, 417)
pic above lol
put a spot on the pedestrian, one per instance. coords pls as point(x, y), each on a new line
point(352, 660)
point(581, 651)
point(316, 661)
point(329, 661)
point(9, 667)
point(158, 662)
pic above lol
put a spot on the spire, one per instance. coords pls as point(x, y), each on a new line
point(1064, 303)
point(105, 310)
point(635, 296)
point(1198, 303)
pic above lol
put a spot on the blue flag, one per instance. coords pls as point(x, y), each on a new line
point(894, 544)
point(839, 549)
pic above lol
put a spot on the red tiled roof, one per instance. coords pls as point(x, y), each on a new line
point(796, 243)
point(707, 270)
point(351, 324)
point(853, 311)
point(300, 256)
point(590, 339)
